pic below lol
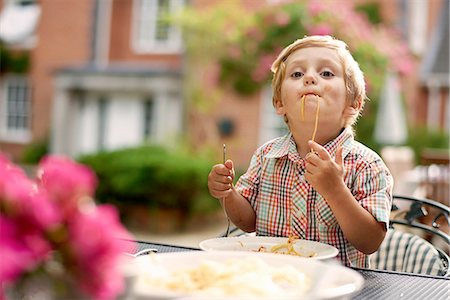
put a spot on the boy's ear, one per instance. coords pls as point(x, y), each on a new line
point(279, 108)
point(353, 109)
point(350, 112)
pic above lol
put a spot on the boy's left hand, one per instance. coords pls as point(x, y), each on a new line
point(322, 172)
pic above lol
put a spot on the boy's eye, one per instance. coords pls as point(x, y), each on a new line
point(297, 74)
point(327, 74)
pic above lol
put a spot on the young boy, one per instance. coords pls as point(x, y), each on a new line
point(316, 182)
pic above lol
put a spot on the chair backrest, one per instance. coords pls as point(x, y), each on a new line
point(420, 214)
point(405, 248)
point(406, 252)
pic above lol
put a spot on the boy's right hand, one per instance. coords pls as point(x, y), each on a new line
point(220, 179)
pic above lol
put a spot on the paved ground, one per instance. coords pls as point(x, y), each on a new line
point(189, 238)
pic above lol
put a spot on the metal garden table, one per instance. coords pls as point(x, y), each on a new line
point(378, 284)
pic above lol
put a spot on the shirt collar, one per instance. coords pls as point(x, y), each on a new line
point(282, 146)
point(344, 139)
point(286, 145)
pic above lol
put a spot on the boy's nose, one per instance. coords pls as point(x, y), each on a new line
point(308, 79)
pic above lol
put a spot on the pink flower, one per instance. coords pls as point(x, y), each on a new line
point(211, 75)
point(316, 7)
point(404, 65)
point(15, 187)
point(235, 52)
point(16, 256)
point(66, 182)
point(21, 200)
point(262, 70)
point(255, 34)
point(282, 18)
point(41, 212)
point(44, 221)
point(95, 239)
point(321, 29)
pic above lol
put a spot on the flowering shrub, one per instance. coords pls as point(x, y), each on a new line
point(51, 228)
point(238, 53)
point(246, 63)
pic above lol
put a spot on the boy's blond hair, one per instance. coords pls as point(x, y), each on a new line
point(353, 76)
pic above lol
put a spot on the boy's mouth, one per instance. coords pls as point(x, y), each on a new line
point(302, 103)
point(302, 111)
point(310, 94)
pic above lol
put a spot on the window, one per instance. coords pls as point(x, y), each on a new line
point(18, 23)
point(16, 108)
point(413, 24)
point(417, 35)
point(102, 122)
point(149, 119)
point(152, 31)
point(271, 124)
point(23, 2)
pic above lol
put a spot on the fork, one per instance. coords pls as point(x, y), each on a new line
point(143, 252)
point(227, 233)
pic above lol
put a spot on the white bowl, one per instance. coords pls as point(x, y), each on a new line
point(326, 280)
point(253, 243)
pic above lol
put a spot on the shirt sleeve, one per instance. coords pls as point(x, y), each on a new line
point(248, 183)
point(373, 189)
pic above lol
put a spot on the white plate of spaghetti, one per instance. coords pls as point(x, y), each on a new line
point(240, 275)
point(281, 245)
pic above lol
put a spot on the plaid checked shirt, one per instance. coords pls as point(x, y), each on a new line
point(285, 204)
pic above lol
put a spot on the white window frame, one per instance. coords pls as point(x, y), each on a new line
point(19, 2)
point(148, 119)
point(144, 28)
point(271, 124)
point(20, 134)
point(20, 11)
point(418, 19)
point(103, 103)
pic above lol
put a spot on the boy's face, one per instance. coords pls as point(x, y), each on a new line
point(313, 72)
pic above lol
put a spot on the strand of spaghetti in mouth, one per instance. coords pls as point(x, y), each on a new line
point(302, 107)
point(316, 122)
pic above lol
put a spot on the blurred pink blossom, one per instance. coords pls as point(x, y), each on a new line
point(235, 52)
point(282, 18)
point(22, 201)
point(262, 70)
point(15, 187)
point(103, 247)
point(212, 74)
point(405, 66)
point(66, 182)
point(255, 34)
point(321, 29)
point(43, 221)
point(16, 256)
point(315, 7)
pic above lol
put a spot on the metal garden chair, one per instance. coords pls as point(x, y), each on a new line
point(404, 249)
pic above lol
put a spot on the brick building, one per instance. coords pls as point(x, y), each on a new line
point(106, 74)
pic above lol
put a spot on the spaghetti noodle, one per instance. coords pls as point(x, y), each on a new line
point(316, 121)
point(302, 108)
point(231, 278)
point(287, 248)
